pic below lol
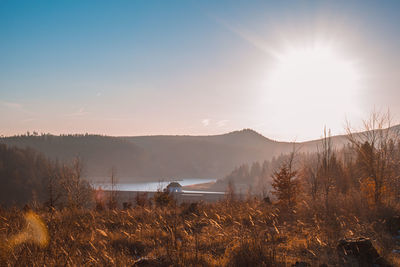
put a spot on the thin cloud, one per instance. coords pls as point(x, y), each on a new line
point(29, 120)
point(79, 113)
point(222, 123)
point(13, 105)
point(16, 107)
point(205, 122)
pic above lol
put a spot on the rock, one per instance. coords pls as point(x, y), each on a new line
point(359, 252)
point(267, 200)
point(393, 224)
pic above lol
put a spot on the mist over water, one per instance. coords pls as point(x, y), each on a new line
point(151, 186)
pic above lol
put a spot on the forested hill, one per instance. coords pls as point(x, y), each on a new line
point(98, 153)
point(155, 157)
point(161, 157)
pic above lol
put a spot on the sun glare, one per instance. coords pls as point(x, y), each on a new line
point(315, 82)
point(313, 72)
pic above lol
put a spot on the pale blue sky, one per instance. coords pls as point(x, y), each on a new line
point(186, 67)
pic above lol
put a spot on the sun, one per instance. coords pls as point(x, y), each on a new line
point(313, 83)
point(313, 72)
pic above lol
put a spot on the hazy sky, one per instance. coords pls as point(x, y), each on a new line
point(196, 67)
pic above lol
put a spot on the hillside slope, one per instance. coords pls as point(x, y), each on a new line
point(156, 157)
point(152, 158)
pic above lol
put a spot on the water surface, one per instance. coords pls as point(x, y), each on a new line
point(153, 186)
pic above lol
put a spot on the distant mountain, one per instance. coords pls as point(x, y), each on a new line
point(152, 158)
point(203, 156)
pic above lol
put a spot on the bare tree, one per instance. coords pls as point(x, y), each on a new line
point(309, 172)
point(374, 150)
point(78, 192)
point(326, 162)
point(52, 180)
point(112, 200)
point(230, 192)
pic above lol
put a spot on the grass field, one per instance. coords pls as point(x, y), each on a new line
point(227, 233)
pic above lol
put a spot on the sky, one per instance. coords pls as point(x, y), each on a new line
point(286, 69)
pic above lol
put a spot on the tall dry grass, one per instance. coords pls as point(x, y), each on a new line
point(227, 233)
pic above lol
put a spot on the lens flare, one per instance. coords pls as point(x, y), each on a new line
point(35, 232)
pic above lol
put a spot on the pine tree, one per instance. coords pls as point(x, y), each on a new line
point(285, 186)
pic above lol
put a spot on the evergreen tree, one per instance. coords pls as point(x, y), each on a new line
point(285, 186)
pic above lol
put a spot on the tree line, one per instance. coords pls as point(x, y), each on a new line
point(365, 170)
point(26, 176)
point(363, 174)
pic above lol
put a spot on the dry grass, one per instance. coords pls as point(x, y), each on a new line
point(245, 233)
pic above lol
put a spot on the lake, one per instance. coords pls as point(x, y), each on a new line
point(154, 186)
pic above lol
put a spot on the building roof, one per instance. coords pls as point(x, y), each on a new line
point(174, 184)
